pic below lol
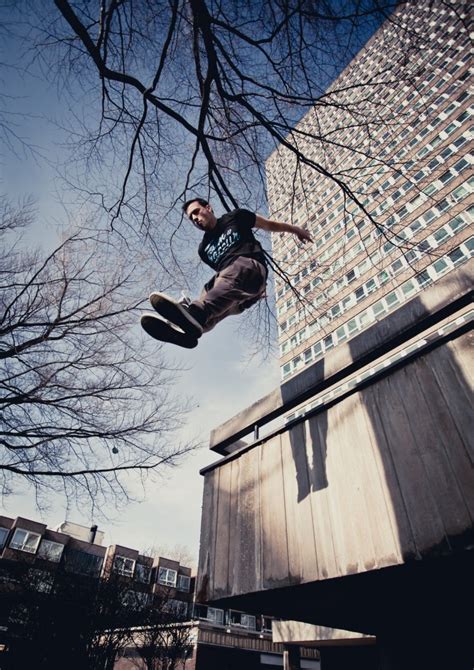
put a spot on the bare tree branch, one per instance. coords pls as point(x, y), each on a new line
point(84, 402)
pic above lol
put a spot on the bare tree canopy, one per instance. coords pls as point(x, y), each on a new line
point(195, 95)
point(177, 552)
point(83, 400)
point(57, 619)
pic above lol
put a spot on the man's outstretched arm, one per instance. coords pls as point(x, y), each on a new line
point(277, 227)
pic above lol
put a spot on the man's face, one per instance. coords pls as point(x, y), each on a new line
point(201, 215)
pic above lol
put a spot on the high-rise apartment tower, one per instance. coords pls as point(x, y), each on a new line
point(396, 128)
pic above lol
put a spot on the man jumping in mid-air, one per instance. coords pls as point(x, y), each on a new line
point(231, 250)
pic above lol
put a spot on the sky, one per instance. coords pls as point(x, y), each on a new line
point(35, 120)
point(170, 512)
point(217, 376)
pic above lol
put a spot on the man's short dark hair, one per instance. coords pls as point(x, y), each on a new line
point(201, 201)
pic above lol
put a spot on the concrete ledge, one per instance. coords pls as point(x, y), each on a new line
point(428, 307)
point(309, 635)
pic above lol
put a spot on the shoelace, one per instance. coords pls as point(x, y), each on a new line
point(184, 299)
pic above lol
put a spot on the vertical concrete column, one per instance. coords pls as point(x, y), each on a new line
point(291, 657)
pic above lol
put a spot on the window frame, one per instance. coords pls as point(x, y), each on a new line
point(141, 567)
point(179, 585)
point(22, 547)
point(4, 540)
point(166, 581)
point(50, 557)
point(121, 570)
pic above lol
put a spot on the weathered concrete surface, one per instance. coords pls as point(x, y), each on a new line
point(445, 297)
point(305, 634)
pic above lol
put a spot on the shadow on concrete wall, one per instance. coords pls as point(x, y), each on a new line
point(426, 406)
point(310, 476)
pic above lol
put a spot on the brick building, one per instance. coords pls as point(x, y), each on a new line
point(72, 565)
point(47, 573)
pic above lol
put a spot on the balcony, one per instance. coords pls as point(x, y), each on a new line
point(362, 503)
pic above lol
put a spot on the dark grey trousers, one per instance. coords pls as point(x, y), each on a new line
point(232, 290)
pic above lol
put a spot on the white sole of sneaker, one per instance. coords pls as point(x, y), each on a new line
point(175, 313)
point(165, 332)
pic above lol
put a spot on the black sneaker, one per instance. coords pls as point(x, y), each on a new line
point(177, 313)
point(163, 331)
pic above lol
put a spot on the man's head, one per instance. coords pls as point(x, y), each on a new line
point(200, 212)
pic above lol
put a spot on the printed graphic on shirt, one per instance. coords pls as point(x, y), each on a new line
point(217, 248)
point(232, 237)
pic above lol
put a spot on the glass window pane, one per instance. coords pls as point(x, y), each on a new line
point(457, 224)
point(378, 308)
point(215, 615)
point(447, 176)
point(423, 279)
point(352, 326)
point(408, 287)
point(470, 244)
point(328, 343)
point(249, 621)
point(371, 286)
point(456, 256)
point(440, 266)
point(24, 540)
point(31, 542)
point(167, 576)
point(341, 334)
point(460, 192)
point(142, 573)
point(3, 536)
point(365, 318)
point(124, 566)
point(184, 582)
point(18, 539)
point(441, 234)
point(392, 299)
point(51, 551)
point(82, 562)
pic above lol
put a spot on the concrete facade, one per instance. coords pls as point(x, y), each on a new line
point(362, 504)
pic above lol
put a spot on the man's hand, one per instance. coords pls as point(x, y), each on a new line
point(278, 227)
point(302, 235)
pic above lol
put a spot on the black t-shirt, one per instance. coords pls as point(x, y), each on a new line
point(231, 237)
